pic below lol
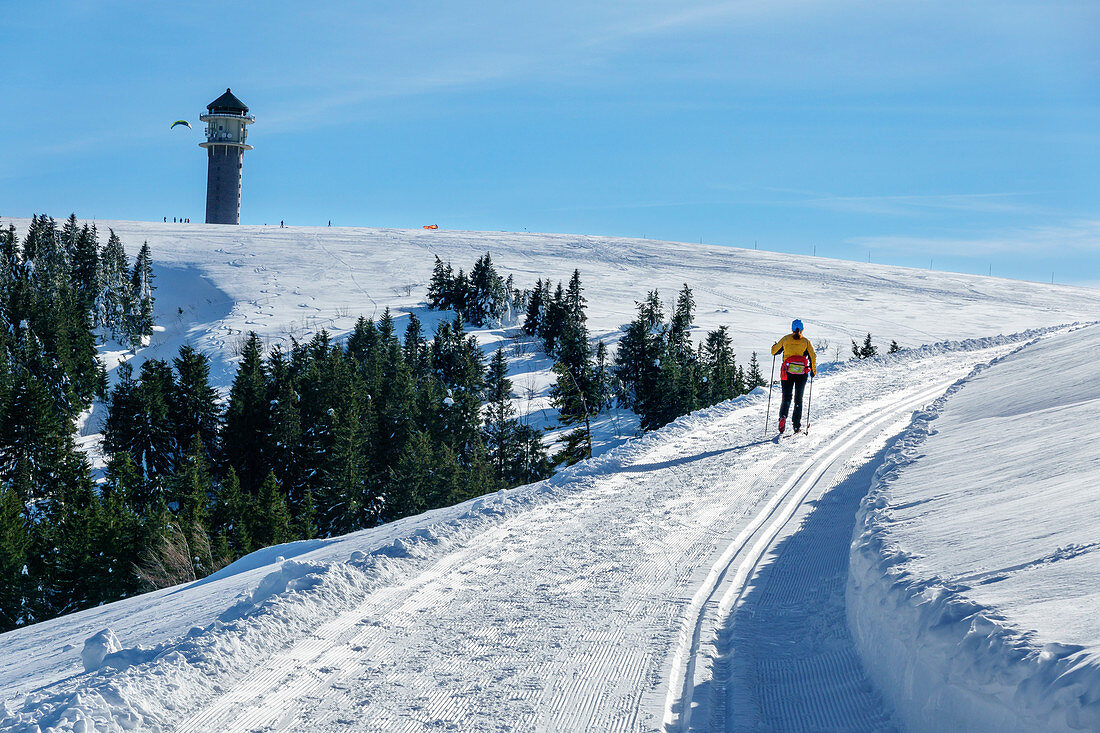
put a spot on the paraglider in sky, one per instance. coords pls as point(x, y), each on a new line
point(180, 122)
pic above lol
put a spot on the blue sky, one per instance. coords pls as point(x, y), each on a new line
point(965, 136)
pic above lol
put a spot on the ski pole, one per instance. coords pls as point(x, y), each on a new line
point(809, 400)
point(767, 414)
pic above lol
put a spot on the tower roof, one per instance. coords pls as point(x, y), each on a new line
point(227, 103)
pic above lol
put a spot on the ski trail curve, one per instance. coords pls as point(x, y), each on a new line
point(727, 580)
point(787, 660)
point(597, 607)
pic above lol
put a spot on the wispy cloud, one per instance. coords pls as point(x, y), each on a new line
point(537, 43)
point(993, 202)
point(909, 205)
point(1079, 236)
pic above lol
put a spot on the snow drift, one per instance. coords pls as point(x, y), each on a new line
point(972, 590)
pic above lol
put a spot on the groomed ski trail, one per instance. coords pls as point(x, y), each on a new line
point(593, 601)
point(728, 578)
point(571, 611)
point(787, 659)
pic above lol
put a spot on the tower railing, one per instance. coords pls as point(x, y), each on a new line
point(247, 118)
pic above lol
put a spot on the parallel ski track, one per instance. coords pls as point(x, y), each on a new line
point(786, 660)
point(728, 577)
point(599, 680)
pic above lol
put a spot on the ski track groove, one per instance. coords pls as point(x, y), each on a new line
point(807, 675)
point(503, 604)
point(757, 537)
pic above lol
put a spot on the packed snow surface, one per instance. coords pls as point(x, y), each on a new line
point(596, 600)
point(976, 578)
point(691, 579)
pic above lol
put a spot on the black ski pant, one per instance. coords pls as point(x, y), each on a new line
point(794, 385)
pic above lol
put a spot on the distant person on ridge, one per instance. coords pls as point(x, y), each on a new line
point(799, 360)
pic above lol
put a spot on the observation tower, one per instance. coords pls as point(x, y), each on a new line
point(227, 121)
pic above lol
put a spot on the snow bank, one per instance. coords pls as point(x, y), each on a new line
point(972, 589)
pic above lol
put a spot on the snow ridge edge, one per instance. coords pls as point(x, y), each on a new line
point(944, 661)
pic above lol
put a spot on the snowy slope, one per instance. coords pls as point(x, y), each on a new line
point(216, 283)
point(591, 601)
point(605, 598)
point(976, 578)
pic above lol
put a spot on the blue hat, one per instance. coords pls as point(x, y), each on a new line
point(797, 325)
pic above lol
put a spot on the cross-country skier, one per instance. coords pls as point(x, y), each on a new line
point(799, 360)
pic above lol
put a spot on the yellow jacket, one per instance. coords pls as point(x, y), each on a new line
point(792, 346)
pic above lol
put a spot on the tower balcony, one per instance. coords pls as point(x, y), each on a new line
point(224, 138)
point(209, 116)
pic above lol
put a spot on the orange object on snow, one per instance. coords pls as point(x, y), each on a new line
point(431, 226)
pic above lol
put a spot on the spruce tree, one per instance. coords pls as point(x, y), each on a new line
point(121, 432)
point(155, 449)
point(247, 419)
point(192, 490)
point(602, 380)
point(344, 495)
point(413, 482)
point(529, 461)
point(193, 402)
point(122, 535)
point(231, 516)
point(499, 414)
point(536, 305)
point(43, 247)
point(487, 302)
point(554, 320)
point(139, 322)
point(576, 394)
point(285, 439)
point(441, 286)
point(415, 349)
point(575, 300)
point(457, 360)
point(75, 570)
point(10, 262)
point(639, 359)
point(866, 350)
point(393, 402)
point(113, 305)
point(517, 299)
point(755, 378)
point(677, 387)
point(305, 518)
point(271, 522)
point(15, 542)
point(70, 234)
point(37, 425)
point(87, 278)
point(475, 477)
point(568, 396)
point(720, 367)
point(683, 317)
point(460, 294)
point(362, 339)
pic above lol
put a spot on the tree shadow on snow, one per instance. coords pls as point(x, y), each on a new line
point(645, 467)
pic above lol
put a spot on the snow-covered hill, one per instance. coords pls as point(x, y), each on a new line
point(690, 579)
point(216, 283)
